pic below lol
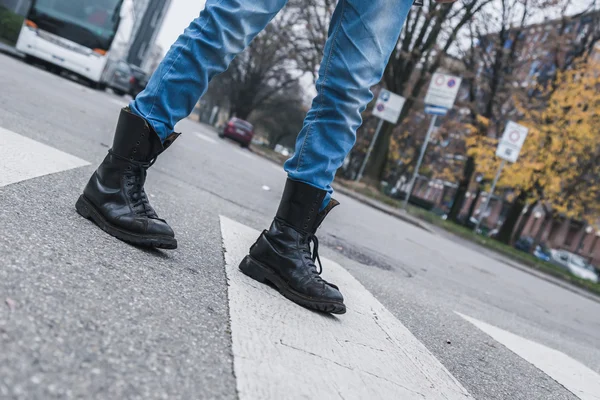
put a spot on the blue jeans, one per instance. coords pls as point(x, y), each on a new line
point(362, 36)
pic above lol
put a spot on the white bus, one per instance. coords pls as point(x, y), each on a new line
point(71, 35)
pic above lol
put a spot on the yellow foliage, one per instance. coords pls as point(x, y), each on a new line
point(559, 159)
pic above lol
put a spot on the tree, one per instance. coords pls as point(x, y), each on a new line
point(560, 160)
point(490, 61)
point(429, 33)
point(508, 57)
point(264, 69)
point(281, 117)
point(311, 21)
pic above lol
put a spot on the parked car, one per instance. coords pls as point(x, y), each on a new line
point(138, 81)
point(525, 244)
point(238, 130)
point(118, 77)
point(574, 264)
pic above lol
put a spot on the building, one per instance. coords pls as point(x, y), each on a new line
point(17, 6)
point(564, 233)
point(150, 15)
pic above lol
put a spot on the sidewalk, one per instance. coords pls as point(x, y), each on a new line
point(10, 51)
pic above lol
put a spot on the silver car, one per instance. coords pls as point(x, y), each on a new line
point(118, 77)
point(575, 264)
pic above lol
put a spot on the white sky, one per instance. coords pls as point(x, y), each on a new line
point(181, 13)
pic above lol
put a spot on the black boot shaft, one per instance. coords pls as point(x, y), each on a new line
point(136, 140)
point(300, 204)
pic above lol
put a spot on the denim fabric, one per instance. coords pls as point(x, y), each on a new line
point(362, 36)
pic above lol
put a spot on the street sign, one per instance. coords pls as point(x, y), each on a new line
point(389, 106)
point(442, 90)
point(512, 140)
point(436, 110)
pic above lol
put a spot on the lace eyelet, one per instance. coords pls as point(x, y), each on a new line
point(131, 158)
point(138, 142)
point(135, 150)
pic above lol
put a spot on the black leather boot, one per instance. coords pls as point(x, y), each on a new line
point(114, 197)
point(282, 255)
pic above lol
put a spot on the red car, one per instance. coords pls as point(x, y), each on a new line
point(239, 130)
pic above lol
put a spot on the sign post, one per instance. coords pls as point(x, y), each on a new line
point(439, 99)
point(508, 149)
point(387, 108)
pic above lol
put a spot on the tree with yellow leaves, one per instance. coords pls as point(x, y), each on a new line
point(560, 160)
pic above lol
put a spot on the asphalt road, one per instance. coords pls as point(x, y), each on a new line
point(83, 315)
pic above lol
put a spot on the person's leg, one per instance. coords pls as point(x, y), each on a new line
point(362, 36)
point(205, 49)
point(114, 197)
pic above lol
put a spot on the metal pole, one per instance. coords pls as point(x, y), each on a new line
point(418, 166)
point(18, 7)
point(489, 198)
point(364, 164)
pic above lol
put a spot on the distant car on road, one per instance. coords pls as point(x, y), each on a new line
point(118, 77)
point(238, 130)
point(138, 81)
point(574, 264)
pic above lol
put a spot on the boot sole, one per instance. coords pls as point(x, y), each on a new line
point(87, 210)
point(263, 274)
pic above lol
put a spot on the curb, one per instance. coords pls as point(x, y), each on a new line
point(10, 51)
point(399, 214)
point(556, 281)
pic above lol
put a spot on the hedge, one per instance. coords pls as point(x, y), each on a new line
point(10, 26)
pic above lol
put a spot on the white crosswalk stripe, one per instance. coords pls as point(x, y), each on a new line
point(120, 103)
point(573, 375)
point(244, 153)
point(283, 351)
point(205, 138)
point(22, 158)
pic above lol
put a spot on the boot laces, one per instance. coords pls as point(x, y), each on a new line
point(315, 252)
point(140, 203)
point(316, 260)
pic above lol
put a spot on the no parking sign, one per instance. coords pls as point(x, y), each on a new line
point(389, 106)
point(510, 145)
point(442, 90)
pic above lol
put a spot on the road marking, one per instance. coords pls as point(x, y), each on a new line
point(22, 158)
point(70, 82)
point(118, 102)
point(283, 351)
point(205, 138)
point(245, 153)
point(573, 375)
point(279, 168)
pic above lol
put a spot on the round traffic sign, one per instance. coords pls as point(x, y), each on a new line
point(380, 107)
point(385, 95)
point(514, 136)
point(440, 80)
point(451, 83)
